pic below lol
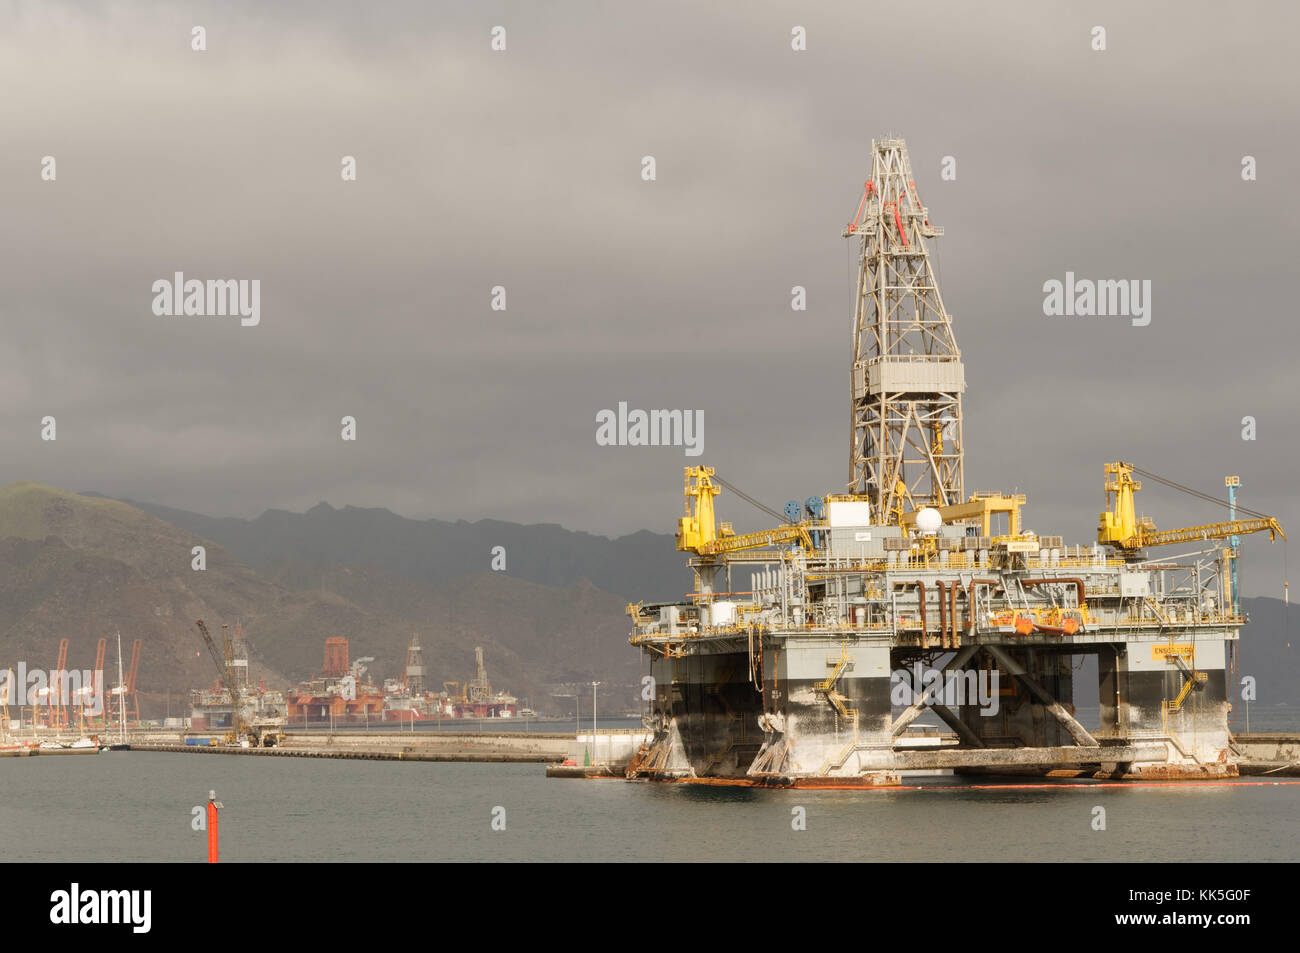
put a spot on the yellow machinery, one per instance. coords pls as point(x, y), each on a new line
point(980, 506)
point(1122, 529)
point(698, 531)
point(698, 527)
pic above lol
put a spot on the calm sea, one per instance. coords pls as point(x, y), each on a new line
point(128, 806)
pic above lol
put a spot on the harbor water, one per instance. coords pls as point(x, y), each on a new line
point(139, 806)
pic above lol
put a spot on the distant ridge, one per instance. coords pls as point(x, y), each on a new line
point(640, 566)
point(84, 567)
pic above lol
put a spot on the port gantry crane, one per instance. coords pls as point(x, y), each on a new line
point(97, 673)
point(56, 713)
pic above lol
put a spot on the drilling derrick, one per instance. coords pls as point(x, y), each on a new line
point(413, 675)
point(907, 584)
point(905, 445)
point(478, 689)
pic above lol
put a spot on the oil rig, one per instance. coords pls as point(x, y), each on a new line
point(807, 652)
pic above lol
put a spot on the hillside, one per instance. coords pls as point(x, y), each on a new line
point(640, 566)
point(87, 567)
point(1270, 651)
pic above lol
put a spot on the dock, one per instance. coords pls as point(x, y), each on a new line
point(1257, 754)
point(500, 747)
point(1271, 754)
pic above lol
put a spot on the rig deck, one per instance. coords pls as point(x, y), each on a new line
point(864, 609)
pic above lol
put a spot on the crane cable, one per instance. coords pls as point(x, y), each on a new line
point(1286, 615)
point(779, 517)
point(1200, 495)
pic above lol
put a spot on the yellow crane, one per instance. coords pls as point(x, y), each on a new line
point(699, 532)
point(1122, 529)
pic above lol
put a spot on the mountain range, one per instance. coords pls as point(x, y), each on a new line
point(84, 566)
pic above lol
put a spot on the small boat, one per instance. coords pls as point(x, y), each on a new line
point(81, 746)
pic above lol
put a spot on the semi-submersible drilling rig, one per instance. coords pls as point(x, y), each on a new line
point(785, 664)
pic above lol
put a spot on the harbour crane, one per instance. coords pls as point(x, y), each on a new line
point(129, 697)
point(58, 713)
point(225, 671)
point(101, 649)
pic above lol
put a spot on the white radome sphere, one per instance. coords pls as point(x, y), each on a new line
point(928, 521)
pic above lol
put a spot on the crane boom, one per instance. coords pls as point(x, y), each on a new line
point(1121, 528)
point(1211, 531)
point(699, 532)
point(213, 651)
point(770, 537)
point(227, 675)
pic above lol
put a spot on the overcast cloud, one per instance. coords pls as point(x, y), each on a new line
point(522, 169)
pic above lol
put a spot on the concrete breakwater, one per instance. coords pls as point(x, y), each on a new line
point(606, 755)
point(1272, 753)
point(1257, 754)
point(534, 747)
point(390, 753)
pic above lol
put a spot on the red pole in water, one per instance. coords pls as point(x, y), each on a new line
point(213, 806)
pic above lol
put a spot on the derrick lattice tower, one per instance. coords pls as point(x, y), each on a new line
point(905, 448)
point(413, 675)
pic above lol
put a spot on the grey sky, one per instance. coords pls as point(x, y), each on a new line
point(522, 169)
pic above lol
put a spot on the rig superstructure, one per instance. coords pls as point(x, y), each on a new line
point(806, 651)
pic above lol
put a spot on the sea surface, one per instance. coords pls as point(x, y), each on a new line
point(138, 806)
